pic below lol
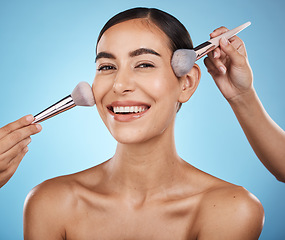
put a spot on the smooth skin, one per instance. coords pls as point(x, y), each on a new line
point(145, 191)
point(14, 140)
point(230, 69)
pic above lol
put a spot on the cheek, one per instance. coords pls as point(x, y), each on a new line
point(95, 91)
point(162, 87)
point(100, 88)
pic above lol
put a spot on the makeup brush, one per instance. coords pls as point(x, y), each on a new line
point(183, 59)
point(81, 95)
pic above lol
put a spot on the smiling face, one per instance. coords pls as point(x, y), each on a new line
point(135, 89)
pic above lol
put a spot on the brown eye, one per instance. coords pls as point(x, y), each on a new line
point(145, 65)
point(106, 68)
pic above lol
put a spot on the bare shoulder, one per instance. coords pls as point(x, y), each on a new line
point(58, 188)
point(230, 212)
point(45, 209)
point(63, 190)
point(49, 206)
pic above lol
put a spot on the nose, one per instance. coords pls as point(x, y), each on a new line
point(123, 82)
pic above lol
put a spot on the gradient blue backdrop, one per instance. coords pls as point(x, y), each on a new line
point(47, 47)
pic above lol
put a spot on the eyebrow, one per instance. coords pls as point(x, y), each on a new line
point(134, 53)
point(141, 51)
point(104, 55)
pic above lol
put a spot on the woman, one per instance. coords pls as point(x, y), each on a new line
point(145, 191)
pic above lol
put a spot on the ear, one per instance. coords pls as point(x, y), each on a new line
point(189, 83)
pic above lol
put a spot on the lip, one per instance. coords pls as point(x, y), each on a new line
point(127, 117)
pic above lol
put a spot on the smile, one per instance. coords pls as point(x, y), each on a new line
point(128, 110)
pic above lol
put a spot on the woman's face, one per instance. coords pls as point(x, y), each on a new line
point(135, 89)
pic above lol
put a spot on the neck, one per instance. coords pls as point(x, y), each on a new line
point(145, 167)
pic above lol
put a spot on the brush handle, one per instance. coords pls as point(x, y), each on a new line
point(59, 107)
point(229, 34)
point(213, 43)
point(203, 49)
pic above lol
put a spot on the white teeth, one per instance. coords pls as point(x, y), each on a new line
point(129, 109)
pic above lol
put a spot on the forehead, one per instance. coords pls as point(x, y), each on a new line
point(134, 34)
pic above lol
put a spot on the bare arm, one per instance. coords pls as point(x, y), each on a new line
point(265, 136)
point(231, 71)
point(14, 139)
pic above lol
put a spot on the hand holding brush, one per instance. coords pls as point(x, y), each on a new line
point(15, 136)
point(82, 95)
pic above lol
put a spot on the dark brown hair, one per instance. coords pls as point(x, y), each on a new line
point(172, 27)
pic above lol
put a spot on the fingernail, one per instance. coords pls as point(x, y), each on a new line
point(39, 127)
point(29, 141)
point(225, 41)
point(26, 149)
point(215, 54)
point(223, 70)
point(30, 118)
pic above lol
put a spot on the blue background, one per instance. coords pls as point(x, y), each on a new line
point(47, 47)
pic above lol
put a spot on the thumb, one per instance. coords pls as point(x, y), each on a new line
point(236, 58)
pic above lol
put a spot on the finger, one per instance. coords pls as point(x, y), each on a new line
point(22, 122)
point(238, 44)
point(236, 58)
point(218, 32)
point(216, 53)
point(14, 161)
point(235, 41)
point(218, 63)
point(17, 136)
point(6, 157)
point(212, 68)
point(8, 173)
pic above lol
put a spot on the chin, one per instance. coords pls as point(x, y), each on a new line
point(130, 138)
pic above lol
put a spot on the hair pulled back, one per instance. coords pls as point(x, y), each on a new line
point(175, 31)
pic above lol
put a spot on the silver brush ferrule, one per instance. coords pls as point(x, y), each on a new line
point(61, 106)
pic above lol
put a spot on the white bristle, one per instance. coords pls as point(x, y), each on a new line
point(82, 95)
point(182, 61)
